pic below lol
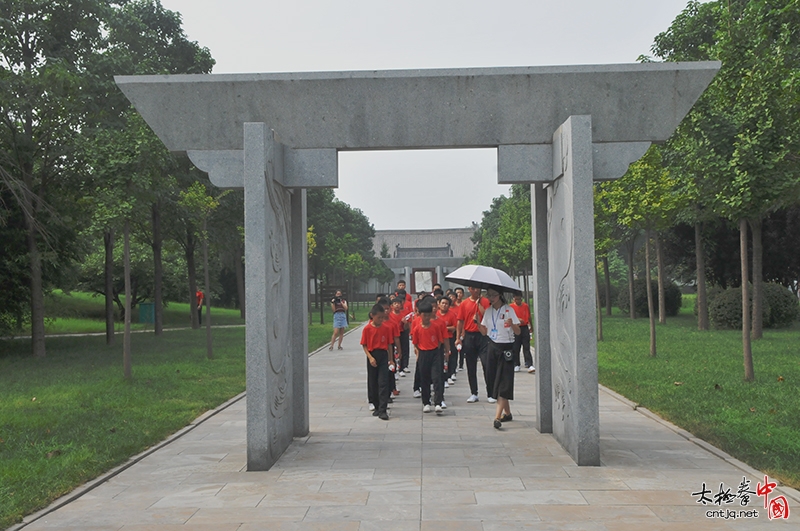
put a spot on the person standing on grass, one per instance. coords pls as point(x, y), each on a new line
point(339, 309)
point(430, 343)
point(376, 337)
point(523, 339)
point(468, 335)
point(500, 324)
point(200, 298)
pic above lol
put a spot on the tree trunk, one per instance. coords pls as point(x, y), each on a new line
point(758, 281)
point(37, 289)
point(607, 276)
point(747, 347)
point(702, 298)
point(158, 270)
point(238, 267)
point(126, 338)
point(662, 300)
point(650, 302)
point(108, 244)
point(207, 298)
point(631, 251)
point(599, 308)
point(192, 273)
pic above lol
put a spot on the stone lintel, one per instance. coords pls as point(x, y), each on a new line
point(533, 163)
point(303, 168)
point(418, 109)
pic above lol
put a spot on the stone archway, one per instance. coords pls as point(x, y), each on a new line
point(559, 128)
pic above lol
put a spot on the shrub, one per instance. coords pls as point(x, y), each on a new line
point(780, 307)
point(711, 292)
point(783, 306)
point(614, 292)
point(672, 298)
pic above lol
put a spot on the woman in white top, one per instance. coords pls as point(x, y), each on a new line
point(500, 324)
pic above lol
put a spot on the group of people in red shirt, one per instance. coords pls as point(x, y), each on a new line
point(446, 331)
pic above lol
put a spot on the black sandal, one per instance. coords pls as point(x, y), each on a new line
point(508, 417)
point(497, 424)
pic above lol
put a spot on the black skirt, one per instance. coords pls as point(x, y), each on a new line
point(504, 377)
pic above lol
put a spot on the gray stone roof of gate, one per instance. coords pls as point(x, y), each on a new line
point(459, 240)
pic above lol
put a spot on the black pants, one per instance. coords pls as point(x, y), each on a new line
point(404, 348)
point(430, 371)
point(452, 360)
point(472, 347)
point(523, 341)
point(378, 388)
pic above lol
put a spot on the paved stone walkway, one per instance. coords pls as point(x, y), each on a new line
point(418, 471)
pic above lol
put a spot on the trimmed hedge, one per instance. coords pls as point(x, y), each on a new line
point(780, 307)
point(672, 298)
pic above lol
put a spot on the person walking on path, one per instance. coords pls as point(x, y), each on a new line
point(430, 343)
point(500, 324)
point(376, 337)
point(522, 341)
point(339, 308)
point(470, 313)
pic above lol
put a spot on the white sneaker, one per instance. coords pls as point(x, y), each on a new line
point(459, 369)
point(450, 381)
point(446, 385)
point(372, 407)
point(438, 409)
point(403, 374)
point(426, 408)
point(472, 399)
point(516, 369)
point(453, 377)
point(491, 400)
point(531, 369)
point(406, 370)
point(417, 393)
point(444, 406)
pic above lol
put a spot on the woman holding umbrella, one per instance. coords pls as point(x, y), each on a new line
point(500, 324)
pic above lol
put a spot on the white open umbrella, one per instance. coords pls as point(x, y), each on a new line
point(484, 277)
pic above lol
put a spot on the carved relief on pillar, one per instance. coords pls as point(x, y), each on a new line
point(278, 325)
point(561, 236)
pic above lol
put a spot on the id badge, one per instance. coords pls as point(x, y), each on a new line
point(493, 334)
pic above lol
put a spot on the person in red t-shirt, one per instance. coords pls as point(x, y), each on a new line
point(450, 319)
point(523, 339)
point(430, 341)
point(200, 297)
point(376, 337)
point(408, 312)
point(473, 343)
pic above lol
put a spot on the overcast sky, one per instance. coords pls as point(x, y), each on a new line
point(325, 35)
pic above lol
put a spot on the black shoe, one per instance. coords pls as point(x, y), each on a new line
point(497, 424)
point(507, 418)
point(383, 416)
point(375, 413)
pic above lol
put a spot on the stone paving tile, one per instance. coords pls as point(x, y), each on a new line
point(418, 471)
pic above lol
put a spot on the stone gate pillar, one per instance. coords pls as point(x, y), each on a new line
point(571, 264)
point(540, 325)
point(272, 315)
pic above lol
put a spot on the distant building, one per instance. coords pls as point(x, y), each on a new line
point(424, 257)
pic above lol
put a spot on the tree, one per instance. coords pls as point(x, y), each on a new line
point(44, 48)
point(748, 136)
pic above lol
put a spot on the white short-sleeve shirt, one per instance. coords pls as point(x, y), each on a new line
point(495, 322)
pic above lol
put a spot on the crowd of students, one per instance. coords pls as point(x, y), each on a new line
point(447, 332)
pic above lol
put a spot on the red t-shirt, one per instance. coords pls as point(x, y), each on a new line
point(523, 312)
point(467, 312)
point(397, 320)
point(449, 319)
point(428, 338)
point(378, 337)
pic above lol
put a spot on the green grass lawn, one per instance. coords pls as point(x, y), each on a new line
point(697, 382)
point(70, 417)
point(78, 312)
